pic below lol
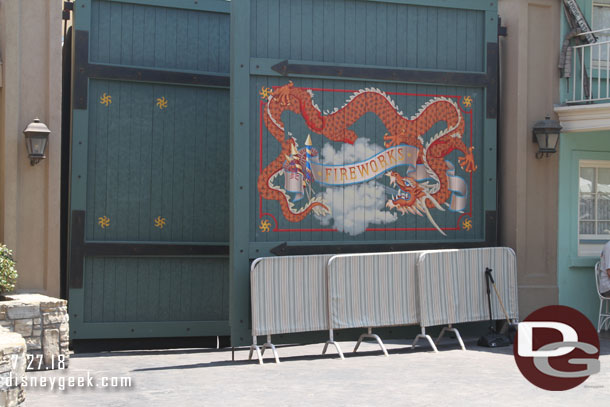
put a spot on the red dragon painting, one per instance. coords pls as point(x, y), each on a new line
point(411, 197)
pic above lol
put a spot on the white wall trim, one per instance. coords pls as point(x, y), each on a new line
point(582, 118)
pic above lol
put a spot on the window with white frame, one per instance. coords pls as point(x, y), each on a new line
point(601, 21)
point(593, 207)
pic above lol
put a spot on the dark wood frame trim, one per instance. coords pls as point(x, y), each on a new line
point(488, 79)
point(284, 249)
point(83, 70)
point(81, 249)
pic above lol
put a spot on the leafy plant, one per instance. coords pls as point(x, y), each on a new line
point(8, 272)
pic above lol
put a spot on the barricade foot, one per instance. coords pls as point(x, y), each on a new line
point(269, 345)
point(455, 331)
point(423, 335)
point(272, 347)
point(336, 346)
point(371, 335)
point(254, 347)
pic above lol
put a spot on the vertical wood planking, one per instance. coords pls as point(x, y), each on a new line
point(145, 162)
point(133, 34)
point(142, 163)
point(371, 33)
point(155, 289)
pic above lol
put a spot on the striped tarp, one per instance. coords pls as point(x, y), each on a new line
point(372, 290)
point(452, 285)
point(288, 294)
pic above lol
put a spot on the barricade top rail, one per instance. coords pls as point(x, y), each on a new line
point(339, 256)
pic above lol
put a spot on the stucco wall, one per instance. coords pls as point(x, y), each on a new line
point(30, 46)
point(528, 186)
point(576, 277)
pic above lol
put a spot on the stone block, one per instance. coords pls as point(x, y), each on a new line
point(23, 311)
point(53, 318)
point(36, 331)
point(23, 327)
point(12, 398)
point(33, 343)
point(49, 302)
point(50, 346)
point(37, 321)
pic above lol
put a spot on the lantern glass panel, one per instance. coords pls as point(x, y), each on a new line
point(37, 145)
point(547, 142)
point(552, 140)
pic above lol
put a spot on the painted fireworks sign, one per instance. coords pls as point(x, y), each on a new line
point(411, 174)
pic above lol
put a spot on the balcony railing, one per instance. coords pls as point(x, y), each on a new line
point(590, 73)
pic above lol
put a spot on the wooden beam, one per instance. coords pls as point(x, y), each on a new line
point(83, 70)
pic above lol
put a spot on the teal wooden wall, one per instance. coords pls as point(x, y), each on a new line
point(150, 169)
point(145, 162)
point(160, 37)
point(343, 39)
point(155, 290)
point(134, 162)
point(369, 33)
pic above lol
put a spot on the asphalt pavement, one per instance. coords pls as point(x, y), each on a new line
point(209, 377)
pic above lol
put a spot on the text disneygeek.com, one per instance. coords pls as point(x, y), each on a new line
point(66, 382)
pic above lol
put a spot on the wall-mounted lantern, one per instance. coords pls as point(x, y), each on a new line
point(36, 139)
point(546, 134)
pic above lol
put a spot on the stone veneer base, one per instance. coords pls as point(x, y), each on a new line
point(43, 323)
point(12, 368)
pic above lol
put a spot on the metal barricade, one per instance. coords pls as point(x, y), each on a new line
point(451, 286)
point(371, 290)
point(288, 294)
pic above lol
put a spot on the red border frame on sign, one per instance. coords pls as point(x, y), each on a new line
point(260, 163)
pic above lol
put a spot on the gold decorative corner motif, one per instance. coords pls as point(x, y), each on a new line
point(467, 101)
point(467, 224)
point(162, 102)
point(265, 92)
point(105, 99)
point(265, 226)
point(159, 222)
point(103, 221)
